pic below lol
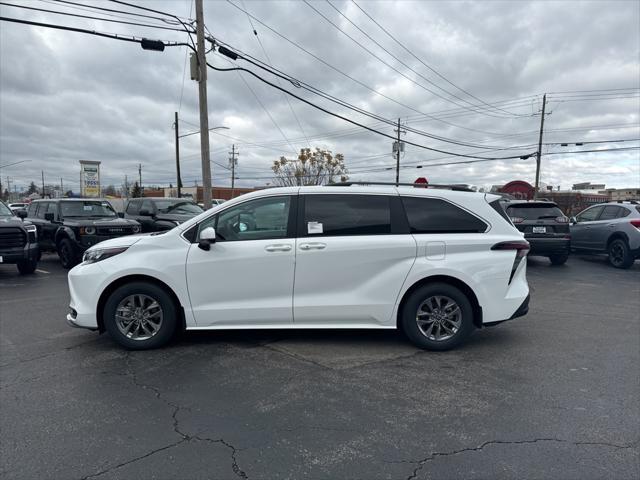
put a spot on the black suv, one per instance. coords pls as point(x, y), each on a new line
point(157, 214)
point(18, 241)
point(70, 226)
point(545, 227)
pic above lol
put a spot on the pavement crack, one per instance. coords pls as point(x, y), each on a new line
point(133, 460)
point(433, 455)
point(234, 465)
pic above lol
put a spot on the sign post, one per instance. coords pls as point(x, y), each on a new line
point(89, 178)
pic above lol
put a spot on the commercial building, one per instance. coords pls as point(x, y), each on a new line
point(619, 194)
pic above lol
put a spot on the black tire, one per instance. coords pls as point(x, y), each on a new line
point(68, 255)
point(168, 323)
point(27, 267)
point(409, 317)
point(559, 258)
point(620, 254)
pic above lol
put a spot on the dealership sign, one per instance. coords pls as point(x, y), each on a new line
point(89, 178)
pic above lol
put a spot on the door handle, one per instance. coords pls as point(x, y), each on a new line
point(611, 225)
point(312, 246)
point(278, 248)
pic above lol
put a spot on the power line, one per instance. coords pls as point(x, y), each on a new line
point(91, 17)
point(115, 36)
point(362, 84)
point(476, 109)
point(348, 119)
point(422, 62)
point(383, 61)
point(184, 68)
point(82, 6)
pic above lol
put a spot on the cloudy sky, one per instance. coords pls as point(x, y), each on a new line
point(470, 74)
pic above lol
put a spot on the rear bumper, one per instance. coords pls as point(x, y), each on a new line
point(522, 310)
point(548, 246)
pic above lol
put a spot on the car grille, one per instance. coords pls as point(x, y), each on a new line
point(115, 231)
point(12, 237)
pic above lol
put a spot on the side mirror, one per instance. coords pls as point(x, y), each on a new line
point(21, 213)
point(144, 213)
point(121, 214)
point(207, 237)
point(49, 217)
point(573, 220)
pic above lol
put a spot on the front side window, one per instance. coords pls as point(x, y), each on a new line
point(33, 210)
point(260, 219)
point(88, 208)
point(5, 211)
point(589, 214)
point(433, 215)
point(337, 215)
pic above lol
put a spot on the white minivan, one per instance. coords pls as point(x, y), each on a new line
point(435, 263)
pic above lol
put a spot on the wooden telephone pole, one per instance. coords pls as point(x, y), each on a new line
point(179, 183)
point(204, 114)
point(539, 153)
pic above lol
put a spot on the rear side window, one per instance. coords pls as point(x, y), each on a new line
point(133, 208)
point(610, 212)
point(335, 215)
point(534, 211)
point(433, 215)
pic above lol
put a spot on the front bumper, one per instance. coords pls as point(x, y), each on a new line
point(85, 285)
point(548, 246)
point(28, 253)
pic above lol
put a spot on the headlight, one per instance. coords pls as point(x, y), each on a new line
point(32, 231)
point(87, 230)
point(99, 254)
point(135, 229)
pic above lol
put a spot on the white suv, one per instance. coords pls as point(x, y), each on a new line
point(435, 263)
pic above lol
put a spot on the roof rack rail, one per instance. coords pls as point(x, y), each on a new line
point(459, 188)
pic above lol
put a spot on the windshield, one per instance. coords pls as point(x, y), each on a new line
point(534, 211)
point(178, 207)
point(4, 211)
point(95, 208)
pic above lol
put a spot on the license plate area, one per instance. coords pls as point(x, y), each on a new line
point(539, 229)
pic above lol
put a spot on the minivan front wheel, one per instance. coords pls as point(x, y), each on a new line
point(620, 254)
point(140, 316)
point(437, 316)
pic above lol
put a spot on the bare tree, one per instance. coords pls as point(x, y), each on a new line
point(310, 168)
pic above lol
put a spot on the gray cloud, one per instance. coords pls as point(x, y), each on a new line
point(66, 97)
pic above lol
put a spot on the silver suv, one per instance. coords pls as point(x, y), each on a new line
point(611, 228)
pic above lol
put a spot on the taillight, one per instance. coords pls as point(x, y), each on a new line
point(562, 219)
point(636, 223)
point(517, 219)
point(521, 247)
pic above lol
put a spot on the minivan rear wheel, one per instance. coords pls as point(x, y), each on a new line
point(437, 316)
point(140, 316)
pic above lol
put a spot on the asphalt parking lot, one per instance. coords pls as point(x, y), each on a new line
point(555, 394)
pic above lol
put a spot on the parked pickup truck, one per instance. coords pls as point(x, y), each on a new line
point(18, 240)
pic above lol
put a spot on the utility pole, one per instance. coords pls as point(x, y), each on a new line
point(204, 115)
point(126, 187)
point(140, 179)
point(179, 184)
point(233, 161)
point(61, 188)
point(539, 153)
point(42, 172)
point(397, 148)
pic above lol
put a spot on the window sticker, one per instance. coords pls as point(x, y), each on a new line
point(314, 228)
point(87, 208)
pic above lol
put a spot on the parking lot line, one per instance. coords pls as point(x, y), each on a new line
point(41, 271)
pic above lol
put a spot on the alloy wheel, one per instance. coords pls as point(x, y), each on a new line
point(139, 317)
point(439, 318)
point(617, 254)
